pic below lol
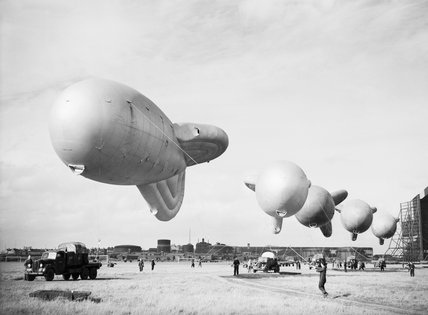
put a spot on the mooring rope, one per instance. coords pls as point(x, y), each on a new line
point(169, 138)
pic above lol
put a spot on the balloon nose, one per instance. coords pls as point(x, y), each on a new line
point(75, 125)
point(282, 189)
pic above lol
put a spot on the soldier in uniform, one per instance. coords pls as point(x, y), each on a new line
point(236, 266)
point(322, 269)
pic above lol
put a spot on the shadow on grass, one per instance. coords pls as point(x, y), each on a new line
point(50, 295)
point(101, 279)
point(62, 280)
point(262, 275)
point(369, 270)
point(341, 295)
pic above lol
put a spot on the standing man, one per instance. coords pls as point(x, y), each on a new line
point(153, 264)
point(322, 269)
point(141, 264)
point(236, 266)
point(412, 269)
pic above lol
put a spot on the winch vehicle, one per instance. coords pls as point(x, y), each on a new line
point(70, 260)
point(267, 262)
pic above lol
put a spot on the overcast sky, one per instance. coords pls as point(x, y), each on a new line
point(338, 87)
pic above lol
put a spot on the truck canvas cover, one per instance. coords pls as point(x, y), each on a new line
point(76, 247)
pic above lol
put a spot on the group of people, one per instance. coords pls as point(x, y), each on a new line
point(141, 264)
point(352, 264)
point(192, 264)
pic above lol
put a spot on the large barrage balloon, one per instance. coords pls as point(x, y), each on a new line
point(111, 133)
point(281, 190)
point(384, 226)
point(318, 209)
point(356, 216)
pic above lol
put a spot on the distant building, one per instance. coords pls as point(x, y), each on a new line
point(188, 248)
point(221, 250)
point(202, 247)
point(126, 251)
point(164, 246)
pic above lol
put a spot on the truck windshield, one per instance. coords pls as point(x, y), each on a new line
point(49, 255)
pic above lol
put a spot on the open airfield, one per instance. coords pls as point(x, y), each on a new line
point(175, 288)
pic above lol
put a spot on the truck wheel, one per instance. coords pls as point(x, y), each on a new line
point(84, 274)
point(92, 273)
point(75, 276)
point(66, 276)
point(31, 277)
point(49, 275)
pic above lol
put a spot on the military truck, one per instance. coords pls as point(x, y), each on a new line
point(69, 260)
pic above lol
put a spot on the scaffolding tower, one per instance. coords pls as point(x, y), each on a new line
point(407, 244)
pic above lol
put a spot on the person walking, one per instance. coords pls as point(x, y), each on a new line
point(322, 269)
point(236, 266)
point(153, 264)
point(141, 264)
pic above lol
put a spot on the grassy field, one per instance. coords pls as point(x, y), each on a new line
point(175, 288)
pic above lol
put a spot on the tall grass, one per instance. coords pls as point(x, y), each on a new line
point(175, 288)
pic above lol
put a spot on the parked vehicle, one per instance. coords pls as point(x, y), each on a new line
point(70, 260)
point(266, 262)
